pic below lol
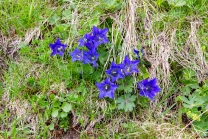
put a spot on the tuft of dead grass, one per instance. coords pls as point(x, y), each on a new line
point(8, 50)
point(130, 39)
point(191, 55)
point(32, 33)
point(134, 128)
point(21, 111)
point(159, 46)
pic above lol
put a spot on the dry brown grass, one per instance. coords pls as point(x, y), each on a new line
point(137, 128)
point(191, 55)
point(159, 46)
point(8, 50)
point(131, 37)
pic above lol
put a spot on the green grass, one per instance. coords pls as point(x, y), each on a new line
point(35, 85)
point(21, 15)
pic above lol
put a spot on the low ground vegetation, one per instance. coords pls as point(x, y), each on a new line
point(104, 69)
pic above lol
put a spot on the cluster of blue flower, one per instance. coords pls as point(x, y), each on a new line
point(91, 41)
point(116, 71)
point(148, 88)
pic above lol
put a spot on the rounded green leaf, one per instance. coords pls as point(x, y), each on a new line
point(51, 126)
point(54, 113)
point(63, 114)
point(66, 107)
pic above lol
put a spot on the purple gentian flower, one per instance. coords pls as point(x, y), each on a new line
point(100, 36)
point(148, 88)
point(91, 57)
point(86, 39)
point(94, 39)
point(77, 55)
point(129, 66)
point(58, 48)
point(137, 52)
point(106, 88)
point(91, 45)
point(89, 41)
point(115, 71)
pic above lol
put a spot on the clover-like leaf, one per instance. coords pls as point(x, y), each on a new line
point(126, 85)
point(67, 14)
point(52, 20)
point(126, 102)
point(192, 101)
point(66, 107)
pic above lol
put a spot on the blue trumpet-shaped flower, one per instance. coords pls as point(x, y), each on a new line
point(91, 57)
point(115, 71)
point(137, 52)
point(148, 88)
point(88, 38)
point(106, 88)
point(77, 55)
point(91, 45)
point(95, 38)
point(58, 48)
point(129, 66)
point(100, 36)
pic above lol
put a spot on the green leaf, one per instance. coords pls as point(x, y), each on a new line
point(51, 126)
point(22, 45)
point(107, 3)
point(111, 4)
point(96, 76)
point(63, 114)
point(55, 113)
point(177, 3)
point(192, 101)
point(57, 103)
point(82, 88)
point(103, 56)
point(67, 0)
point(184, 99)
point(126, 102)
point(26, 131)
point(146, 75)
point(87, 69)
point(202, 125)
point(126, 85)
point(189, 74)
point(52, 97)
point(145, 72)
point(67, 15)
point(186, 90)
point(94, 22)
point(66, 107)
point(52, 20)
point(194, 86)
point(189, 81)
